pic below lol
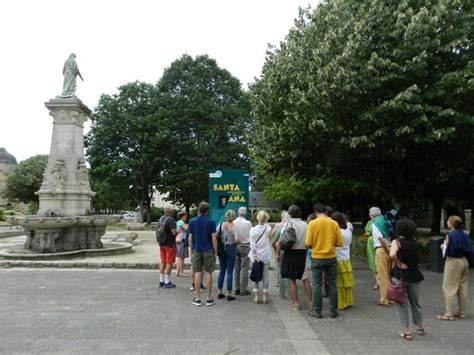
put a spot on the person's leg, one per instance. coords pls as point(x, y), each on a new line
point(209, 265)
point(413, 295)
point(331, 272)
point(283, 283)
point(451, 281)
point(238, 261)
point(266, 267)
point(376, 281)
point(197, 262)
point(230, 272)
point(168, 268)
point(294, 294)
point(317, 286)
point(222, 271)
point(197, 281)
point(209, 285)
point(381, 259)
point(325, 283)
point(244, 270)
point(170, 260)
point(162, 266)
point(463, 287)
point(308, 292)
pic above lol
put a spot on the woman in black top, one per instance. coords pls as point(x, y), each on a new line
point(404, 251)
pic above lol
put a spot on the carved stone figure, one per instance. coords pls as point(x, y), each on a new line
point(82, 172)
point(58, 174)
point(70, 72)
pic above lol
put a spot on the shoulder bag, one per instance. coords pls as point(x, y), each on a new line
point(288, 237)
point(396, 292)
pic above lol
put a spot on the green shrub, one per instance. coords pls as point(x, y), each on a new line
point(359, 246)
point(156, 213)
point(2, 213)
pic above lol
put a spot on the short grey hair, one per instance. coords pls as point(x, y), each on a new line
point(374, 212)
point(169, 210)
point(242, 211)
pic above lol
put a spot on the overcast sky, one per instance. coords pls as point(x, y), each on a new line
point(118, 42)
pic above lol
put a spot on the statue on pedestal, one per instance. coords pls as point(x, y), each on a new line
point(70, 72)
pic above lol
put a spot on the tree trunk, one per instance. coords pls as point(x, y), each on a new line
point(437, 201)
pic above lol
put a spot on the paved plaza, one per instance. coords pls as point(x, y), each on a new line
point(110, 311)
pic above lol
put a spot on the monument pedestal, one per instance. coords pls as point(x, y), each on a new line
point(64, 221)
point(65, 190)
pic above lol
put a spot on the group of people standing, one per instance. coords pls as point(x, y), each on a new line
point(394, 260)
point(324, 240)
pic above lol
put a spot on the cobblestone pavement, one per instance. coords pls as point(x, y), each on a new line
point(123, 311)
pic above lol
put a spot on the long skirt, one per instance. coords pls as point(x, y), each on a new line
point(344, 282)
point(371, 254)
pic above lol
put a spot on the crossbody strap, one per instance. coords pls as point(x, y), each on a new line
point(261, 235)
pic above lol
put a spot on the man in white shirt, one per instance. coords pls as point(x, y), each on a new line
point(381, 238)
point(242, 230)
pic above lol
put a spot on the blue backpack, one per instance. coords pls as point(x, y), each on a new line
point(390, 221)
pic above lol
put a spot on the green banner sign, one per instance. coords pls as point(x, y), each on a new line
point(228, 189)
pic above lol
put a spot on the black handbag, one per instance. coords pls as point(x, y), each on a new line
point(288, 237)
point(257, 271)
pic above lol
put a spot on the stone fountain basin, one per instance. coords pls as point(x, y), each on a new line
point(98, 220)
point(115, 248)
point(38, 222)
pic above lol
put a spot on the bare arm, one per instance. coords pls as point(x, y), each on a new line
point(190, 240)
point(393, 251)
point(214, 242)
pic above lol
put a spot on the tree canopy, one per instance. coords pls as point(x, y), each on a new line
point(205, 116)
point(168, 135)
point(26, 179)
point(125, 147)
point(373, 91)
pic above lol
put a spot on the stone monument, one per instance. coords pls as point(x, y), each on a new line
point(64, 221)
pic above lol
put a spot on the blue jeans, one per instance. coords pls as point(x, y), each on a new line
point(330, 266)
point(226, 265)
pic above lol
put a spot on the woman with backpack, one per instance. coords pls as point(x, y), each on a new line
point(227, 237)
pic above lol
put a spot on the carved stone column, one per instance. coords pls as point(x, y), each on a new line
point(65, 190)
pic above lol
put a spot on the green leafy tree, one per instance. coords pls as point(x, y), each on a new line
point(376, 91)
point(26, 179)
point(205, 116)
point(124, 147)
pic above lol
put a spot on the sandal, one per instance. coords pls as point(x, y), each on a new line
point(444, 317)
point(460, 315)
point(420, 331)
point(295, 306)
point(375, 288)
point(406, 336)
